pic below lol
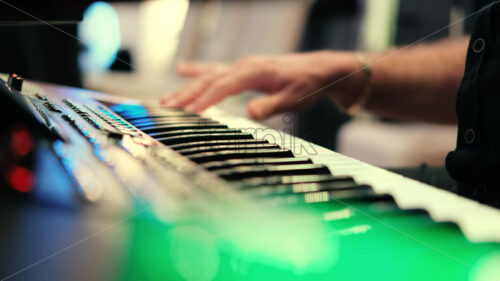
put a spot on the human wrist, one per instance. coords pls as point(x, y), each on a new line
point(344, 76)
point(365, 91)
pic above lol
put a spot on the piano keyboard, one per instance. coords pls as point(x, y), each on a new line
point(475, 220)
point(237, 149)
point(127, 154)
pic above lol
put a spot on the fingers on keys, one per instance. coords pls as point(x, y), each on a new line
point(213, 87)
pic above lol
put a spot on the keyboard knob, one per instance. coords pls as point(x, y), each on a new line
point(15, 82)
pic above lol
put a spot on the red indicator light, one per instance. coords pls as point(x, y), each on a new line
point(21, 142)
point(21, 179)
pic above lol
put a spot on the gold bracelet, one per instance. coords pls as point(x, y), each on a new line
point(366, 68)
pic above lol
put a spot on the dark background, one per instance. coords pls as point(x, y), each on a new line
point(47, 10)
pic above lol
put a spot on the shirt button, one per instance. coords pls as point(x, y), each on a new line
point(478, 45)
point(480, 190)
point(469, 136)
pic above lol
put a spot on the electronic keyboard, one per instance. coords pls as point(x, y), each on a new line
point(98, 187)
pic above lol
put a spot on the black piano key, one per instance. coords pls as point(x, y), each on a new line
point(172, 118)
point(193, 132)
point(239, 147)
point(153, 111)
point(169, 128)
point(326, 186)
point(137, 117)
point(279, 180)
point(141, 109)
point(132, 114)
point(217, 143)
point(243, 154)
point(203, 137)
point(287, 189)
point(192, 121)
point(213, 166)
point(146, 106)
point(172, 114)
point(240, 173)
point(339, 196)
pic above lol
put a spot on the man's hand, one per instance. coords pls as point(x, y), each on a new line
point(292, 82)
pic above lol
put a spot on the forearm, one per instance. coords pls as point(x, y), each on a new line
point(417, 83)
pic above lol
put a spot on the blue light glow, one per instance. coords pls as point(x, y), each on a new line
point(100, 32)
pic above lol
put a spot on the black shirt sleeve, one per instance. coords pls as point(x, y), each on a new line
point(475, 162)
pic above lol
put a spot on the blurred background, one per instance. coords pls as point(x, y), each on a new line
point(129, 48)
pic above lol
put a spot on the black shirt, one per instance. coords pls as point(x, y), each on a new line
point(475, 163)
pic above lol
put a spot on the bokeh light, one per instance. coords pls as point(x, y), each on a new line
point(100, 33)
